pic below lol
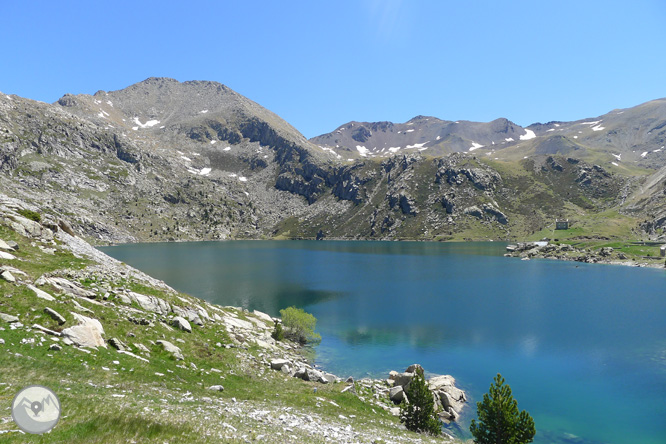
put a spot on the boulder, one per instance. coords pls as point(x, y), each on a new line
point(6, 275)
point(8, 318)
point(397, 394)
point(5, 246)
point(8, 256)
point(403, 379)
point(13, 245)
point(88, 333)
point(170, 348)
point(150, 303)
point(55, 315)
point(40, 293)
point(263, 316)
point(328, 378)
point(181, 323)
point(216, 388)
point(55, 347)
point(277, 364)
point(437, 382)
point(413, 368)
point(117, 344)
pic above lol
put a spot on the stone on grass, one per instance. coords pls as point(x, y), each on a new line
point(8, 318)
point(216, 388)
point(4, 245)
point(55, 315)
point(182, 323)
point(40, 293)
point(277, 364)
point(5, 255)
point(87, 334)
point(6, 275)
point(170, 348)
point(397, 394)
point(117, 344)
point(55, 347)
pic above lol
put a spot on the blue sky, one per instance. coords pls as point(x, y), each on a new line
point(321, 64)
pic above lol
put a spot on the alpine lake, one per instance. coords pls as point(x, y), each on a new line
point(583, 346)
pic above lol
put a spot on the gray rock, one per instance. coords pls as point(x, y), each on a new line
point(182, 324)
point(40, 293)
point(397, 394)
point(413, 368)
point(87, 334)
point(55, 315)
point(13, 245)
point(6, 275)
point(117, 344)
point(277, 364)
point(8, 318)
point(4, 246)
point(403, 379)
point(142, 348)
point(170, 348)
point(216, 388)
point(5, 255)
point(150, 303)
point(327, 378)
point(46, 330)
point(55, 347)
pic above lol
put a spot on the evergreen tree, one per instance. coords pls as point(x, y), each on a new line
point(499, 420)
point(419, 414)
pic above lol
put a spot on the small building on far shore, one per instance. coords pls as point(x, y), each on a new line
point(561, 224)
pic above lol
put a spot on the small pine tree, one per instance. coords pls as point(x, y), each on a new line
point(499, 420)
point(419, 414)
point(278, 333)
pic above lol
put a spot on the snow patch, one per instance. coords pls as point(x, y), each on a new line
point(590, 123)
point(552, 129)
point(529, 134)
point(186, 158)
point(148, 124)
point(617, 156)
point(233, 175)
point(416, 145)
point(614, 163)
point(227, 149)
point(203, 111)
point(422, 149)
point(135, 128)
point(363, 151)
point(475, 146)
point(213, 142)
point(438, 137)
point(575, 137)
point(598, 128)
point(509, 139)
point(205, 171)
point(242, 179)
point(409, 130)
point(394, 149)
point(644, 153)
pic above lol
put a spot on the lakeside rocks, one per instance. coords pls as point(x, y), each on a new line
point(566, 252)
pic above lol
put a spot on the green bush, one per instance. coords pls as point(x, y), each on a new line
point(499, 419)
point(299, 325)
point(419, 414)
point(29, 214)
point(278, 332)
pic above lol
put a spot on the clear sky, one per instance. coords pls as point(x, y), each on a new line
point(319, 64)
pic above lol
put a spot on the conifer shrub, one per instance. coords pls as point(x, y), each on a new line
point(499, 419)
point(278, 332)
point(419, 414)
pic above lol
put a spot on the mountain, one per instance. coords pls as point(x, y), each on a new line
point(168, 160)
point(634, 137)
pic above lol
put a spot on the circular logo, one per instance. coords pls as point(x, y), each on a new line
point(36, 409)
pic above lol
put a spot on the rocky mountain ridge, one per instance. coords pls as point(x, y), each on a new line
point(165, 160)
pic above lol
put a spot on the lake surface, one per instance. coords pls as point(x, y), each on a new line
point(583, 346)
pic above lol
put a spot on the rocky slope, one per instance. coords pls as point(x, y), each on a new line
point(130, 358)
point(164, 160)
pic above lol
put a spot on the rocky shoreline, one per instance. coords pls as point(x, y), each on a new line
point(566, 252)
point(76, 316)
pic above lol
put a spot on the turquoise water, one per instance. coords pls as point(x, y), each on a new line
point(582, 346)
